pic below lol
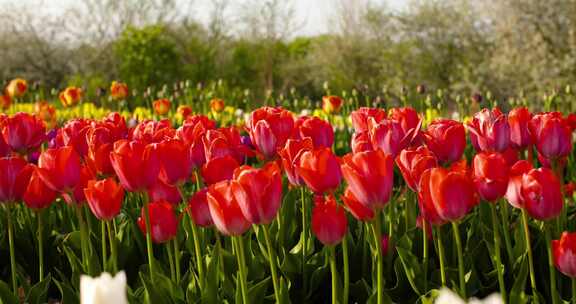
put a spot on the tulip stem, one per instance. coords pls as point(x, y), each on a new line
point(83, 239)
point(148, 237)
point(304, 230)
point(573, 290)
point(197, 251)
point(530, 256)
point(497, 258)
point(177, 259)
point(272, 260)
point(346, 290)
point(171, 261)
point(460, 259)
point(220, 257)
point(506, 224)
point(103, 240)
point(40, 247)
point(112, 239)
point(11, 244)
point(242, 276)
point(425, 254)
point(553, 288)
point(441, 256)
point(334, 272)
point(376, 229)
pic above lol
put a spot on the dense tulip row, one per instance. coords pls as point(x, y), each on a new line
point(183, 180)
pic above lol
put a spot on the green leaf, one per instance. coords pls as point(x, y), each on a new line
point(67, 293)
point(517, 294)
point(38, 292)
point(411, 268)
point(6, 295)
point(257, 292)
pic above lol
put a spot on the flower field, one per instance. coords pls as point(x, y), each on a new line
point(205, 195)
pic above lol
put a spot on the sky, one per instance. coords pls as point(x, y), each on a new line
point(312, 16)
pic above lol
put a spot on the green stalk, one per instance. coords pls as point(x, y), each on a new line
point(425, 254)
point(272, 260)
point(553, 285)
point(334, 272)
point(83, 239)
point(497, 258)
point(198, 253)
point(304, 227)
point(171, 261)
point(460, 259)
point(148, 237)
point(40, 246)
point(346, 290)
point(573, 290)
point(177, 259)
point(11, 244)
point(441, 256)
point(530, 256)
point(113, 255)
point(103, 239)
point(220, 257)
point(376, 226)
point(242, 276)
point(504, 209)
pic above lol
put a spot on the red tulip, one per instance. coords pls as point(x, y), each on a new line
point(542, 194)
point(551, 134)
point(100, 143)
point(74, 134)
point(412, 162)
point(385, 243)
point(184, 111)
point(136, 164)
point(420, 222)
point(511, 156)
point(258, 192)
point(104, 198)
point(569, 189)
point(225, 211)
point(357, 209)
point(361, 142)
point(370, 177)
point(38, 195)
point(116, 122)
point(320, 170)
point(161, 106)
point(5, 102)
point(564, 253)
point(23, 132)
point(409, 120)
point(331, 104)
point(78, 196)
point(329, 222)
point(320, 131)
point(446, 138)
point(425, 204)
point(518, 119)
point(60, 168)
point(360, 117)
point(389, 136)
point(192, 132)
point(513, 192)
point(450, 191)
point(14, 178)
point(269, 129)
point(163, 221)
point(489, 131)
point(219, 169)
point(176, 165)
point(290, 155)
point(217, 105)
point(223, 142)
point(152, 131)
point(199, 210)
point(490, 175)
point(161, 191)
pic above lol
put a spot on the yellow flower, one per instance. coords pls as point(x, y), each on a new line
point(16, 88)
point(70, 96)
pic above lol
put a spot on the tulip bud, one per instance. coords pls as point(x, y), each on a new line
point(163, 221)
point(329, 222)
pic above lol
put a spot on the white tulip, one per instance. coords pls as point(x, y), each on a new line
point(447, 296)
point(104, 289)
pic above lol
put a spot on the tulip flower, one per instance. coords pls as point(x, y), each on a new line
point(361, 116)
point(161, 106)
point(100, 142)
point(16, 88)
point(104, 198)
point(269, 129)
point(74, 134)
point(216, 105)
point(23, 132)
point(446, 139)
point(290, 156)
point(541, 194)
point(199, 210)
point(14, 178)
point(361, 142)
point(223, 142)
point(225, 210)
point(176, 164)
point(219, 169)
point(116, 122)
point(409, 120)
point(119, 90)
point(518, 119)
point(5, 102)
point(152, 131)
point(103, 289)
point(370, 177)
point(162, 191)
point(60, 168)
point(331, 104)
point(136, 164)
point(551, 134)
point(320, 170)
point(38, 195)
point(564, 251)
point(70, 96)
point(425, 203)
point(329, 222)
point(320, 131)
point(389, 136)
point(489, 131)
point(412, 162)
point(184, 111)
point(357, 209)
point(163, 221)
point(77, 196)
point(490, 175)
